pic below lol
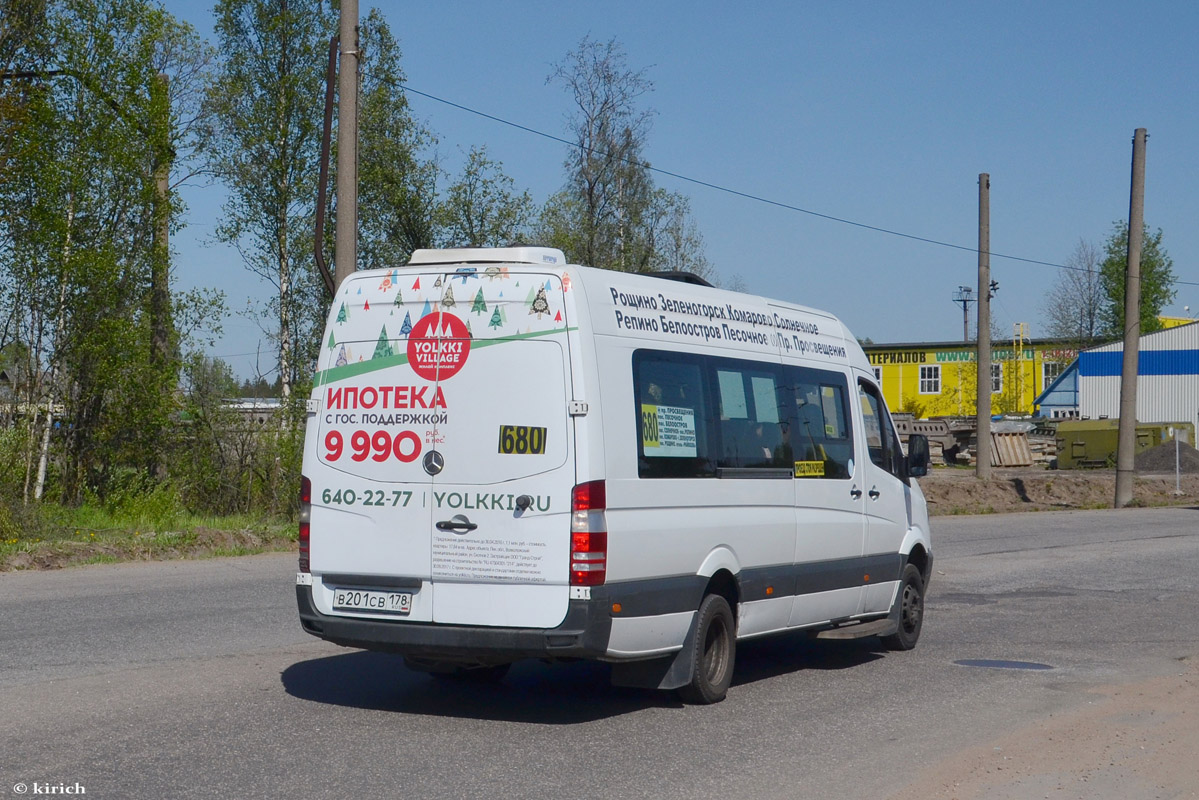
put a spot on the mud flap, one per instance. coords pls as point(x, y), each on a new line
point(668, 672)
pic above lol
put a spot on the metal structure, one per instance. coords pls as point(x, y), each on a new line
point(964, 296)
point(1167, 377)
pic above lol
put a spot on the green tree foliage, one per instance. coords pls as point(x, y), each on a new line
point(227, 461)
point(1157, 279)
point(263, 142)
point(482, 207)
point(610, 214)
point(77, 235)
point(397, 180)
point(20, 21)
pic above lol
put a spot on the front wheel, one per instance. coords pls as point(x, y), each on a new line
point(713, 654)
point(911, 611)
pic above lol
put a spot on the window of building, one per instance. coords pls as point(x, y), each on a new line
point(1050, 370)
point(930, 379)
point(878, 375)
point(996, 378)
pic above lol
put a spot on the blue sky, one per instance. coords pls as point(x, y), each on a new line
point(880, 113)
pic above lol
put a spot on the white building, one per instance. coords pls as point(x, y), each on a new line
point(1167, 377)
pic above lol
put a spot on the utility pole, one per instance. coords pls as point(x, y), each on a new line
point(1125, 451)
point(963, 296)
point(982, 467)
point(345, 256)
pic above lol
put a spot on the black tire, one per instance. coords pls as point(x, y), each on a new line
point(910, 602)
point(451, 671)
point(714, 652)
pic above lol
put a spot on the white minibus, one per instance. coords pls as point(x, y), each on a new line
point(511, 457)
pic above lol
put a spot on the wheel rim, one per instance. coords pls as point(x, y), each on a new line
point(716, 651)
point(912, 608)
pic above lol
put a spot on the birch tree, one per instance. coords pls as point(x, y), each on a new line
point(263, 142)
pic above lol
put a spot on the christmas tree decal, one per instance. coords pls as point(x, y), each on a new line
point(438, 284)
point(426, 310)
point(386, 284)
point(366, 305)
point(448, 299)
point(480, 305)
point(565, 284)
point(416, 284)
point(469, 333)
point(332, 343)
point(342, 314)
point(540, 305)
point(399, 301)
point(342, 357)
point(497, 318)
point(383, 348)
point(406, 328)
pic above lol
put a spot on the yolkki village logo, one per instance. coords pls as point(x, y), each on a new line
point(438, 346)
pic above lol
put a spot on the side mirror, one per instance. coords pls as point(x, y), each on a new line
point(918, 455)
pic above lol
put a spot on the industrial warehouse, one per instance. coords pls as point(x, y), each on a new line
point(1043, 377)
point(1069, 397)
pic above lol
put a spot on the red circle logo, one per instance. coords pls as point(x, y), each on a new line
point(438, 346)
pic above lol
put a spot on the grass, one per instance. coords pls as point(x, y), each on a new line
point(51, 536)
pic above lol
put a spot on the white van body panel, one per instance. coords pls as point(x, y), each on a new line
point(763, 617)
point(720, 558)
point(460, 399)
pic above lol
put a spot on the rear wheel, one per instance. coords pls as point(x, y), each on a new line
point(911, 611)
point(714, 652)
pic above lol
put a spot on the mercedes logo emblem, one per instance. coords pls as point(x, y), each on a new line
point(434, 462)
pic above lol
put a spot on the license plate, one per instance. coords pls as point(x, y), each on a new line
point(376, 602)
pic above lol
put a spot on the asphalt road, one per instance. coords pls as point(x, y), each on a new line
point(194, 680)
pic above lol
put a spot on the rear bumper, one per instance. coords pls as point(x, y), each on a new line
point(584, 633)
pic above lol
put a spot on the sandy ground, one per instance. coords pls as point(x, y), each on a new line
point(958, 491)
point(1133, 741)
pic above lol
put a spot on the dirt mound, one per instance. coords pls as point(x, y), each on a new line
point(957, 491)
point(1161, 458)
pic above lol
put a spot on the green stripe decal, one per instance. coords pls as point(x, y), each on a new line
point(332, 374)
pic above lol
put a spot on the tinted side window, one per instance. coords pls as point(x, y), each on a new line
point(822, 438)
point(752, 402)
point(881, 441)
point(674, 436)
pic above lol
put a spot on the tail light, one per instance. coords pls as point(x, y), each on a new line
point(588, 535)
point(305, 524)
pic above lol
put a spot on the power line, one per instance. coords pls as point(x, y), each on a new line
point(759, 198)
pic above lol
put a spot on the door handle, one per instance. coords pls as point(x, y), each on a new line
point(855, 493)
point(457, 523)
point(874, 493)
